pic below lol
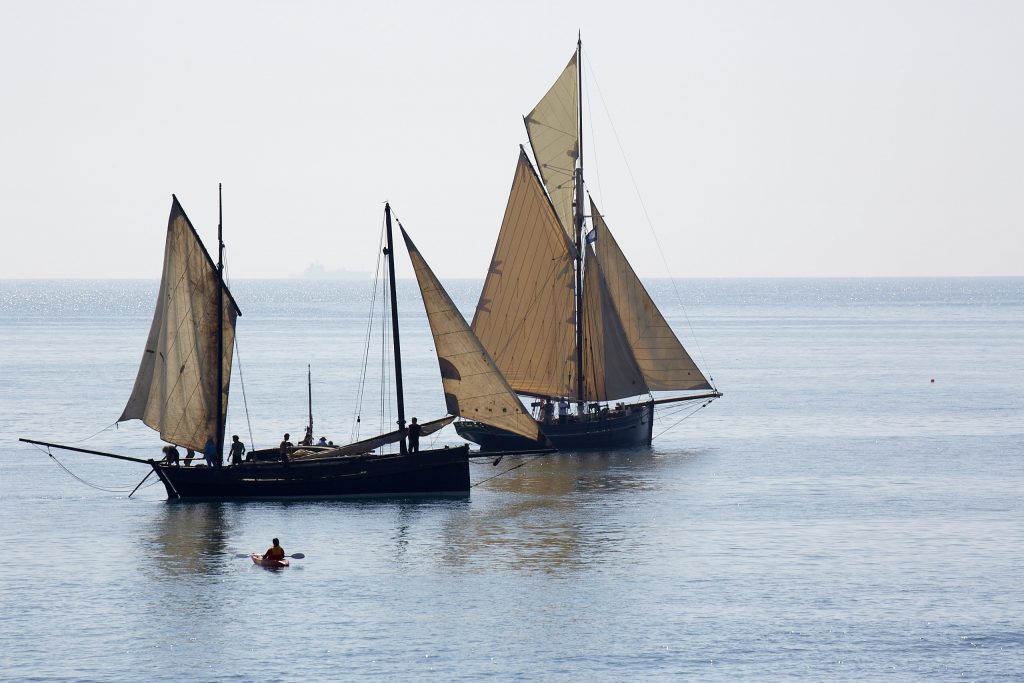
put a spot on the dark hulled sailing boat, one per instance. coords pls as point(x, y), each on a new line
point(183, 383)
point(562, 312)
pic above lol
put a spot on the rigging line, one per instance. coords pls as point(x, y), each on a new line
point(245, 402)
point(525, 462)
point(361, 389)
point(650, 223)
point(75, 476)
point(238, 362)
point(684, 417)
point(385, 368)
point(592, 147)
point(112, 424)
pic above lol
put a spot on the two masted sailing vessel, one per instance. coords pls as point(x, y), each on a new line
point(182, 389)
point(562, 312)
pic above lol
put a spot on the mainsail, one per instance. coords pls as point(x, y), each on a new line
point(473, 386)
point(525, 314)
point(176, 389)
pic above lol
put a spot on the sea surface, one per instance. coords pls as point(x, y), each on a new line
point(850, 510)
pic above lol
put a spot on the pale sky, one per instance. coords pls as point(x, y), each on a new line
point(784, 138)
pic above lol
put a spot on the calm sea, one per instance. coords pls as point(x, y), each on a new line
point(851, 509)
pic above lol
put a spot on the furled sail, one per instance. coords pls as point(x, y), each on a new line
point(371, 444)
point(610, 371)
point(175, 391)
point(525, 316)
point(473, 386)
point(665, 364)
point(553, 128)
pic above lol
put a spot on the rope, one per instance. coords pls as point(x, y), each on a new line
point(650, 223)
point(113, 424)
point(245, 402)
point(525, 462)
point(357, 418)
point(87, 483)
point(684, 417)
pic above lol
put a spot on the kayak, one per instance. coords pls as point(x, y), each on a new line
point(272, 564)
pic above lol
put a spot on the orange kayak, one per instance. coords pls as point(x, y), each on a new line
point(273, 564)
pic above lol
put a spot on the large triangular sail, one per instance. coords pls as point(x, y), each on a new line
point(473, 386)
point(610, 370)
point(525, 316)
point(553, 129)
point(664, 363)
point(175, 390)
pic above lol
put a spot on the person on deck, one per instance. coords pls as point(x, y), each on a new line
point(190, 455)
point(563, 411)
point(547, 409)
point(322, 441)
point(286, 448)
point(237, 450)
point(210, 453)
point(171, 455)
point(414, 436)
point(307, 440)
point(274, 552)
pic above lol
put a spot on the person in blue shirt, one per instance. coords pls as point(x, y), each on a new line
point(210, 453)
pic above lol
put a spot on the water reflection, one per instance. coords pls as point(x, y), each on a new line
point(555, 514)
point(188, 539)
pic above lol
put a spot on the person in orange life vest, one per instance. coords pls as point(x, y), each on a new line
point(274, 552)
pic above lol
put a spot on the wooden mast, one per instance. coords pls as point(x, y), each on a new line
point(309, 387)
point(220, 325)
point(390, 252)
point(578, 225)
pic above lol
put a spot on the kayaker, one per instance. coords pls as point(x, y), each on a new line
point(274, 552)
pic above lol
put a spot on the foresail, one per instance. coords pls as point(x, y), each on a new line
point(175, 391)
point(553, 128)
point(665, 364)
point(525, 316)
point(610, 371)
point(473, 386)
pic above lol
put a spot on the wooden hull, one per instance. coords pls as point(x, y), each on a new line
point(434, 472)
point(626, 428)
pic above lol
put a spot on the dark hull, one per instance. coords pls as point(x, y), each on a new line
point(626, 428)
point(435, 472)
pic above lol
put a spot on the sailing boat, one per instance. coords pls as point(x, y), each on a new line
point(181, 391)
point(562, 311)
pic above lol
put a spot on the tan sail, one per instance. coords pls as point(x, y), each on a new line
point(473, 386)
point(371, 444)
point(175, 391)
point(665, 364)
point(610, 371)
point(525, 314)
point(553, 128)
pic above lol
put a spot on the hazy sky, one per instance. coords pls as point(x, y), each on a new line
point(765, 138)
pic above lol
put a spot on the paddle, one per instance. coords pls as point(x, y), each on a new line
point(294, 556)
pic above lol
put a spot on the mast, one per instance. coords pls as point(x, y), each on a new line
point(220, 324)
point(578, 221)
point(309, 386)
point(390, 252)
